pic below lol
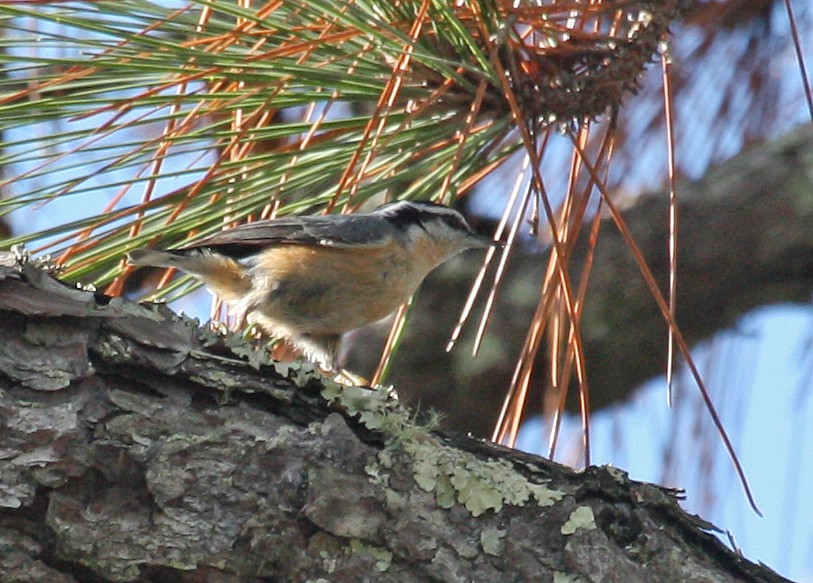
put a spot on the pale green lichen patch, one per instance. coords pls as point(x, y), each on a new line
point(377, 409)
point(445, 492)
point(257, 354)
point(491, 539)
point(479, 485)
point(283, 437)
point(560, 577)
point(355, 400)
point(382, 557)
point(451, 474)
point(474, 490)
point(581, 518)
point(618, 474)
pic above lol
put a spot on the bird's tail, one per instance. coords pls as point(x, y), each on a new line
point(224, 276)
point(154, 258)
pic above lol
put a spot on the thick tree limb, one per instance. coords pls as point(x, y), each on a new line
point(136, 447)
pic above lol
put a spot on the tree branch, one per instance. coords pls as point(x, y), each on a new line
point(138, 447)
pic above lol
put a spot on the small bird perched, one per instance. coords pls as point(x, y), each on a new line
point(309, 280)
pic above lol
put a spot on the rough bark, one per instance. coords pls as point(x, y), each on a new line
point(138, 447)
point(745, 240)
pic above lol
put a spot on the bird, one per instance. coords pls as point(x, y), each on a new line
point(310, 279)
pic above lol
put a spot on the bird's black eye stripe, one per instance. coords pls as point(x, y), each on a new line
point(405, 214)
point(447, 216)
point(454, 221)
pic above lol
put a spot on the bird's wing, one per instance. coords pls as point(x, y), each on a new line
point(339, 231)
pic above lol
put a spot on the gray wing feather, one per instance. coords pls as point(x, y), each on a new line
point(329, 231)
